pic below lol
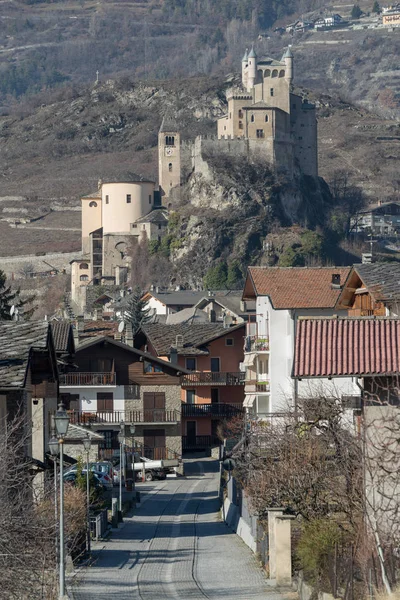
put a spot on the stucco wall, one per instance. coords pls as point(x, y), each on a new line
point(117, 214)
point(91, 220)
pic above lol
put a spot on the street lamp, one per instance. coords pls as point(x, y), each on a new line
point(87, 444)
point(132, 430)
point(121, 440)
point(53, 447)
point(61, 422)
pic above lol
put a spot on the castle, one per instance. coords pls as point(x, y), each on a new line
point(264, 117)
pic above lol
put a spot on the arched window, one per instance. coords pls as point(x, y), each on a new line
point(266, 118)
point(170, 167)
point(169, 140)
point(92, 204)
point(252, 118)
point(267, 73)
point(275, 73)
point(83, 266)
point(281, 73)
point(83, 278)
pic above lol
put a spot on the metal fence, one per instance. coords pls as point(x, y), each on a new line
point(99, 524)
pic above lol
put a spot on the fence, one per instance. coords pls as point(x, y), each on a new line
point(99, 524)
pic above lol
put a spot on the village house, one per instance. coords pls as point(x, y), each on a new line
point(116, 385)
point(213, 384)
point(379, 219)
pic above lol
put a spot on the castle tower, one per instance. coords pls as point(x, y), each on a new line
point(169, 158)
point(244, 68)
point(288, 59)
point(251, 70)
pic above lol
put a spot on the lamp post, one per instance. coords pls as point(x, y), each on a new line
point(61, 421)
point(121, 439)
point(53, 447)
point(87, 444)
point(132, 429)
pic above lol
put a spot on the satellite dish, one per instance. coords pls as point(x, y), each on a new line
point(121, 327)
point(12, 310)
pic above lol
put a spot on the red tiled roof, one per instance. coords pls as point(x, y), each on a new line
point(297, 287)
point(340, 347)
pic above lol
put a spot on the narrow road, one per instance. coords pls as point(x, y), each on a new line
point(175, 547)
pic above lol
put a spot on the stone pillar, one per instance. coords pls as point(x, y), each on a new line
point(283, 549)
point(273, 513)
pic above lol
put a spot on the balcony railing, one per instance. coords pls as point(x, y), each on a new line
point(213, 378)
point(212, 410)
point(95, 379)
point(150, 453)
point(255, 343)
point(156, 415)
point(199, 442)
point(254, 387)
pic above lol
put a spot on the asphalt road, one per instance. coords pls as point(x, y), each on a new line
point(175, 547)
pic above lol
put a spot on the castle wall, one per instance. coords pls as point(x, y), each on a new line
point(117, 212)
point(304, 132)
point(91, 220)
point(272, 88)
point(115, 252)
point(80, 278)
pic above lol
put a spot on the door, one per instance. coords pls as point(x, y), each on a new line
point(154, 444)
point(154, 407)
point(191, 433)
point(215, 365)
point(105, 403)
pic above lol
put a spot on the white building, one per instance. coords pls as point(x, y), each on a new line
point(283, 295)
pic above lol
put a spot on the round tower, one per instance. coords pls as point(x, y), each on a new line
point(288, 58)
point(251, 70)
point(244, 68)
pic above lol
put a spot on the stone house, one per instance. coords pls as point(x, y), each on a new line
point(212, 387)
point(116, 384)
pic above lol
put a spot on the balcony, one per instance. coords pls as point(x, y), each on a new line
point(212, 410)
point(209, 378)
point(257, 387)
point(255, 343)
point(106, 418)
point(83, 379)
point(199, 442)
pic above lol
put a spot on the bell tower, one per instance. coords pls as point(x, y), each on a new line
point(169, 159)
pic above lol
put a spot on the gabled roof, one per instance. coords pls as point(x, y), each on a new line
point(155, 216)
point(187, 297)
point(195, 337)
point(169, 124)
point(232, 301)
point(77, 434)
point(187, 315)
point(143, 355)
point(295, 287)
point(381, 280)
point(63, 337)
point(96, 194)
point(17, 339)
point(346, 347)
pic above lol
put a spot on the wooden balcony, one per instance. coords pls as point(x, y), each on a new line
point(199, 442)
point(218, 411)
point(255, 343)
point(105, 418)
point(82, 379)
point(213, 378)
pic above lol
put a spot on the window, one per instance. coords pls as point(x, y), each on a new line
point(191, 364)
point(149, 198)
point(170, 165)
point(214, 395)
point(302, 125)
point(83, 278)
point(128, 198)
point(229, 342)
point(300, 138)
point(240, 114)
point(224, 128)
point(282, 73)
point(267, 73)
point(92, 204)
point(107, 199)
point(294, 106)
point(266, 118)
point(275, 73)
point(134, 226)
point(159, 227)
point(271, 91)
point(240, 125)
point(169, 140)
point(105, 402)
point(152, 368)
point(230, 115)
point(215, 366)
point(190, 396)
point(83, 266)
point(252, 118)
point(260, 133)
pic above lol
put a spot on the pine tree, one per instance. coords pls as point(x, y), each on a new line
point(8, 298)
point(376, 7)
point(136, 312)
point(356, 12)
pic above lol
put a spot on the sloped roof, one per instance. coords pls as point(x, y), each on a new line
point(76, 434)
point(126, 177)
point(295, 287)
point(270, 62)
point(96, 194)
point(187, 315)
point(16, 340)
point(169, 124)
point(195, 336)
point(381, 279)
point(62, 336)
point(345, 347)
point(155, 216)
point(190, 297)
point(259, 105)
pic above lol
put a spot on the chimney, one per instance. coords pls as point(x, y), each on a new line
point(212, 316)
point(243, 306)
point(173, 355)
point(335, 281)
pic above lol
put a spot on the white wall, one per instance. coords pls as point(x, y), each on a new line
point(158, 306)
point(88, 396)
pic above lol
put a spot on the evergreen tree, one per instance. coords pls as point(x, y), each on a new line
point(356, 12)
point(376, 7)
point(8, 298)
point(234, 280)
point(136, 311)
point(215, 278)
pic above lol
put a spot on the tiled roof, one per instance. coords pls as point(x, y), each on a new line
point(340, 347)
point(190, 297)
point(126, 177)
point(381, 279)
point(98, 328)
point(297, 287)
point(16, 341)
point(96, 194)
point(76, 434)
point(62, 334)
point(195, 336)
point(155, 216)
point(187, 315)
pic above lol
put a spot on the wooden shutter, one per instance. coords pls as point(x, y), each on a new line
point(105, 402)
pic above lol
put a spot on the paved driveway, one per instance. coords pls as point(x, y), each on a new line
point(175, 547)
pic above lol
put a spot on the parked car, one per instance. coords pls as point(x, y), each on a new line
point(154, 469)
point(100, 466)
point(104, 480)
point(71, 479)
